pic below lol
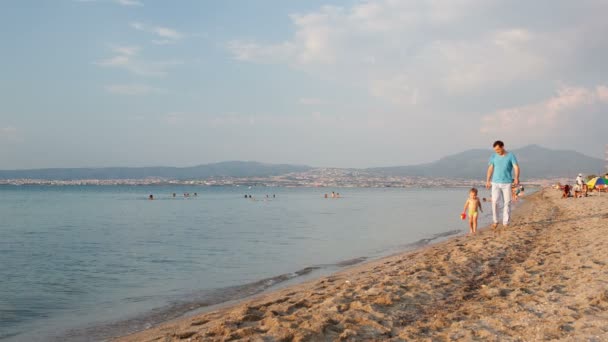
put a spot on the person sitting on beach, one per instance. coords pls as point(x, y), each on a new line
point(577, 191)
point(585, 190)
point(566, 192)
point(472, 204)
point(151, 197)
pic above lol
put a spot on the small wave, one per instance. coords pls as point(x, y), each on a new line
point(206, 298)
point(307, 270)
point(350, 262)
point(196, 301)
point(8, 335)
point(426, 241)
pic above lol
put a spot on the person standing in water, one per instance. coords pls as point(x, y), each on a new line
point(501, 166)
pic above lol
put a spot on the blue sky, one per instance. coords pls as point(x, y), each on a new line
point(323, 83)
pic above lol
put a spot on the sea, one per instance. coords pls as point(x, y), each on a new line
point(87, 263)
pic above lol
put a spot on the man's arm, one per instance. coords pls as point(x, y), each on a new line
point(489, 176)
point(516, 169)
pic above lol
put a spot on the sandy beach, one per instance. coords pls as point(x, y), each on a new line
point(543, 278)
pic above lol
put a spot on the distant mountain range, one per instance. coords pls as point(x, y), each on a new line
point(536, 162)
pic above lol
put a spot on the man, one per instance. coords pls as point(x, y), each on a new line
point(578, 187)
point(499, 178)
point(579, 180)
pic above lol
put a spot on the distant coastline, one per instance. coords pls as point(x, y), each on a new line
point(328, 181)
point(461, 169)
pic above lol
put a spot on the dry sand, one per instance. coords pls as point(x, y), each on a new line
point(543, 278)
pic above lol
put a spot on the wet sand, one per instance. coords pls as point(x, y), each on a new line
point(545, 277)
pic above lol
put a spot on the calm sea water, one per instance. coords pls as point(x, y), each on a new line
point(86, 263)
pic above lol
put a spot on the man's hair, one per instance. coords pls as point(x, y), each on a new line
point(473, 190)
point(498, 143)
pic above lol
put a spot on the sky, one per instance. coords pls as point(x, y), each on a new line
point(92, 83)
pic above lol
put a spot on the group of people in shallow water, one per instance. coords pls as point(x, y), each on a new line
point(267, 196)
point(333, 195)
point(174, 195)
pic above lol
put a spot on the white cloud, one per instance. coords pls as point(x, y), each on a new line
point(126, 57)
point(126, 50)
point(250, 51)
point(132, 89)
point(422, 52)
point(310, 101)
point(161, 41)
point(115, 61)
point(129, 2)
point(10, 134)
point(166, 32)
point(397, 90)
point(166, 35)
point(569, 110)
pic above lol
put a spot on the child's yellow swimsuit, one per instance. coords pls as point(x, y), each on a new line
point(472, 210)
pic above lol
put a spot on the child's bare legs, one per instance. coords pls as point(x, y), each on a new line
point(474, 223)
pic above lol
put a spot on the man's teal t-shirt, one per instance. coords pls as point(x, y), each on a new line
point(503, 167)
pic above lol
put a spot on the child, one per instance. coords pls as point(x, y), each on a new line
point(472, 204)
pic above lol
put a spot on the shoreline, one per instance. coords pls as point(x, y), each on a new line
point(294, 283)
point(510, 284)
point(222, 298)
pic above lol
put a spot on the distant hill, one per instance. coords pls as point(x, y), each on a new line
point(536, 162)
point(226, 169)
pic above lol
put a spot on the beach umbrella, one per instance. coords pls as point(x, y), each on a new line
point(597, 182)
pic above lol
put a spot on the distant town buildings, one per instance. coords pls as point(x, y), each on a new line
point(322, 177)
